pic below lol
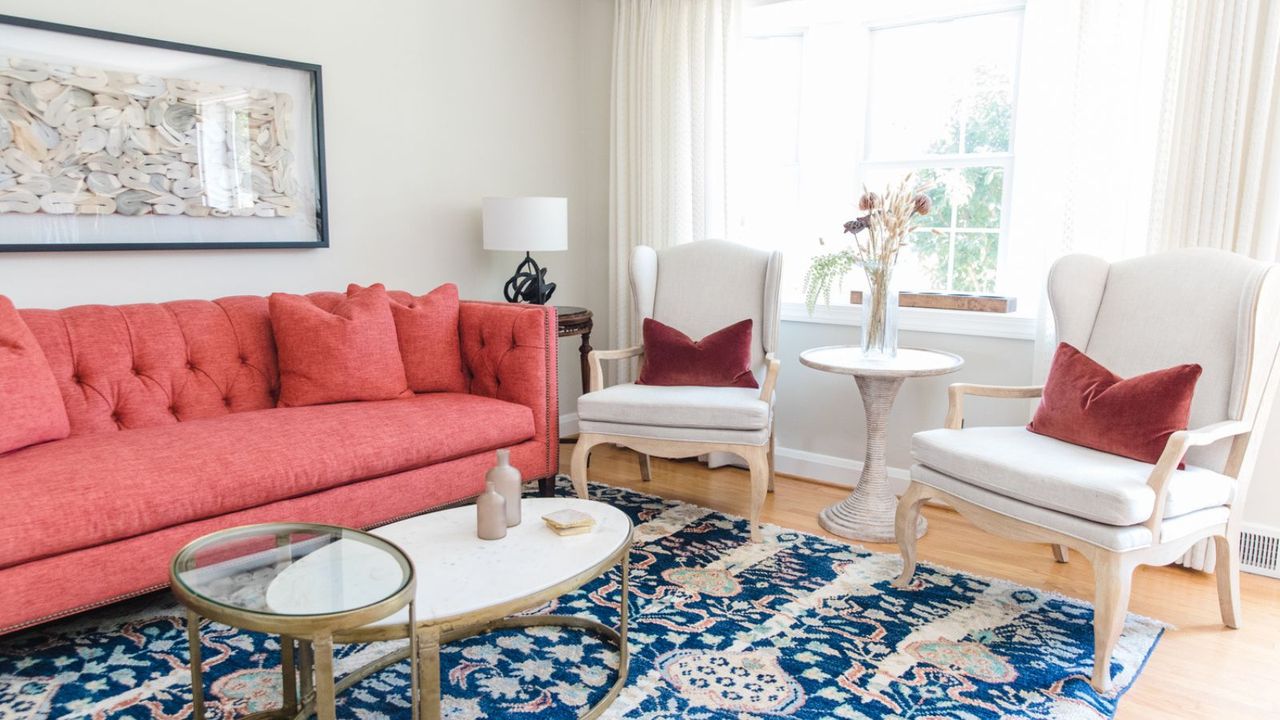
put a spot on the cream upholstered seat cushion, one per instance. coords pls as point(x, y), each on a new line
point(1059, 476)
point(1111, 537)
point(721, 408)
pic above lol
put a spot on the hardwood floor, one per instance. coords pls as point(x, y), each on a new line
point(1200, 669)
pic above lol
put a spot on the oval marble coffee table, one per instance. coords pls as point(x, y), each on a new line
point(867, 514)
point(469, 586)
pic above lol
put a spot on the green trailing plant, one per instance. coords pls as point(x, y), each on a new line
point(887, 226)
point(824, 272)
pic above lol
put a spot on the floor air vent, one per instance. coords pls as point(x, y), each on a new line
point(1260, 551)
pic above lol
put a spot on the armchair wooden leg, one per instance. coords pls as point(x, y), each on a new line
point(904, 529)
point(1061, 553)
point(773, 438)
point(1113, 577)
point(578, 464)
point(646, 469)
point(758, 460)
point(1227, 568)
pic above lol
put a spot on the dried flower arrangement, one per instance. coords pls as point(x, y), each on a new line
point(888, 227)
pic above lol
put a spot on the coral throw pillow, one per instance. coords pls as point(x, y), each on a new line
point(340, 355)
point(31, 409)
point(721, 359)
point(1087, 404)
point(427, 332)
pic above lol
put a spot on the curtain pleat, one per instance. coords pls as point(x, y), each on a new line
point(668, 181)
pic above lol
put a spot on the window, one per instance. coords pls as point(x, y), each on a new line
point(831, 104)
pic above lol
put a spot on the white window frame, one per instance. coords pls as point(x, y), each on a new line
point(1021, 325)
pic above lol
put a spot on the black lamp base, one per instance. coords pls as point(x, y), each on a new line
point(529, 284)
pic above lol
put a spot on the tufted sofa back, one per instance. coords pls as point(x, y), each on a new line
point(133, 366)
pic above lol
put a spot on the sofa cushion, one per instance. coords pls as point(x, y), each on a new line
point(427, 332)
point(722, 408)
point(92, 489)
point(339, 354)
point(31, 409)
point(1060, 476)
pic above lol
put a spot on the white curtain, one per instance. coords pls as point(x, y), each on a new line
point(668, 178)
point(1219, 164)
point(1090, 95)
point(1219, 176)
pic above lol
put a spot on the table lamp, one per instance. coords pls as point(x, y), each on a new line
point(525, 224)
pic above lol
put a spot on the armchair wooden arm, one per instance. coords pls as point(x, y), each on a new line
point(1174, 450)
point(957, 391)
point(770, 378)
point(595, 356)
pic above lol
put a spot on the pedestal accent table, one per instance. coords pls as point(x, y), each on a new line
point(867, 514)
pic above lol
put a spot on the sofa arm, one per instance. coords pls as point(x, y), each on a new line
point(509, 353)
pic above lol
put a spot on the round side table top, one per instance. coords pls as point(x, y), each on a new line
point(572, 313)
point(909, 362)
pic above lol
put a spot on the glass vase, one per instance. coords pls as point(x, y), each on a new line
point(879, 313)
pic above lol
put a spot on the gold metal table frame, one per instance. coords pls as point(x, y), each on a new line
point(430, 635)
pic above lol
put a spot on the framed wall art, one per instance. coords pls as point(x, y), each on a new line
point(113, 142)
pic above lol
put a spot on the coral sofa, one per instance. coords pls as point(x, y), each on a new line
point(175, 433)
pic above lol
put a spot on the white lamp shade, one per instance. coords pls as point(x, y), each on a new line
point(526, 223)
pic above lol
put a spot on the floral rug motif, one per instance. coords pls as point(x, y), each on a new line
point(795, 627)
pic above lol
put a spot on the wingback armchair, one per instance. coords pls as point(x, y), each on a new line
point(1210, 307)
point(696, 288)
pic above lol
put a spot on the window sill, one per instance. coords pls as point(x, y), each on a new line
point(1016, 326)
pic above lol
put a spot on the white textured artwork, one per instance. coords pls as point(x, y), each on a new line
point(80, 140)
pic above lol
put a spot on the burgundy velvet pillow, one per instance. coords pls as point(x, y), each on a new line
point(1086, 404)
point(721, 359)
point(345, 354)
point(31, 408)
point(427, 332)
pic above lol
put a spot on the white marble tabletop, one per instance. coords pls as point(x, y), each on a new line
point(909, 362)
point(459, 573)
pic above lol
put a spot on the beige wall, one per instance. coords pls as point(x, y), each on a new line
point(429, 106)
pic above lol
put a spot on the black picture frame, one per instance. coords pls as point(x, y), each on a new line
point(318, 154)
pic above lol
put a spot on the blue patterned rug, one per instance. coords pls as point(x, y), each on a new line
point(798, 626)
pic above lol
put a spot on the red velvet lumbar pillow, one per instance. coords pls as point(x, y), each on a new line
point(427, 332)
point(31, 408)
point(1086, 404)
point(345, 354)
point(721, 359)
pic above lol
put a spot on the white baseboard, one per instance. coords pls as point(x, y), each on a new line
point(831, 469)
point(568, 425)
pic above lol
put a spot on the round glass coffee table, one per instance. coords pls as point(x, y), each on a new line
point(350, 579)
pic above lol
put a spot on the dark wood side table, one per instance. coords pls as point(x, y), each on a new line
point(572, 321)
point(577, 321)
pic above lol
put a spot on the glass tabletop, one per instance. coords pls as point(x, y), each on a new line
point(292, 569)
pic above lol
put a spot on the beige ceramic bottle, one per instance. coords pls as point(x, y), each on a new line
point(505, 478)
point(491, 514)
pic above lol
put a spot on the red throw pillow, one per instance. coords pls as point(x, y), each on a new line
point(340, 355)
point(427, 332)
point(31, 408)
point(721, 359)
point(1086, 404)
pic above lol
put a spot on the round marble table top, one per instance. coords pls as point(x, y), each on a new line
point(460, 574)
point(909, 362)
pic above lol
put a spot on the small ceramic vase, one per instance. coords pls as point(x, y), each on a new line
point(506, 479)
point(491, 514)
